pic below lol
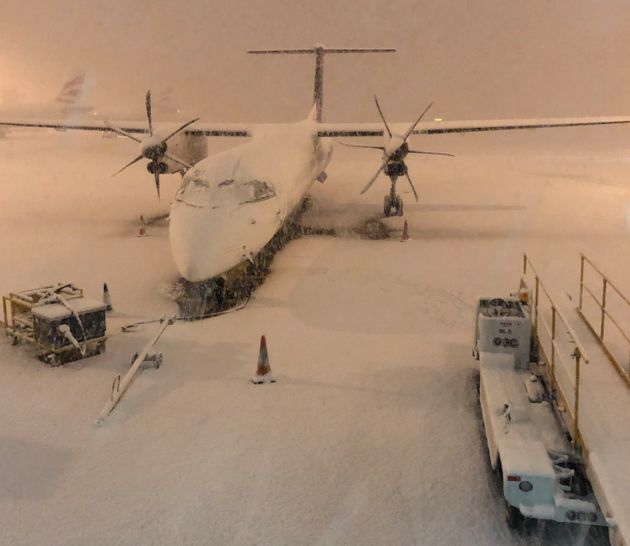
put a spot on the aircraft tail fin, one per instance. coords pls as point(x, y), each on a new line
point(71, 95)
point(72, 91)
point(312, 114)
point(320, 51)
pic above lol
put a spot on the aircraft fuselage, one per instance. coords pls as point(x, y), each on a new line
point(230, 205)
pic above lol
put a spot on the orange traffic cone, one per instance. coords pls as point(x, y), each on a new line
point(405, 234)
point(263, 370)
point(523, 292)
point(141, 227)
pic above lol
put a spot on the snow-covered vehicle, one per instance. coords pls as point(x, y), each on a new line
point(541, 475)
point(58, 321)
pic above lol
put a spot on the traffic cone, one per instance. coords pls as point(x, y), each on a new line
point(106, 298)
point(263, 370)
point(405, 234)
point(523, 292)
point(141, 227)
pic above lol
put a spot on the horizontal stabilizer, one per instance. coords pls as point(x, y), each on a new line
point(322, 49)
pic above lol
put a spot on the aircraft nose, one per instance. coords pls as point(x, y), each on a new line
point(190, 243)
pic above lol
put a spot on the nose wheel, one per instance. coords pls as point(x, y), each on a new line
point(392, 206)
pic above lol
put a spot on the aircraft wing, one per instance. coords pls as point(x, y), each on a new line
point(323, 129)
point(132, 127)
point(444, 127)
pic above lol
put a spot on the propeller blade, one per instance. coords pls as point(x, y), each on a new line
point(181, 128)
point(176, 160)
point(156, 176)
point(413, 189)
point(149, 116)
point(129, 164)
point(381, 148)
point(121, 132)
point(410, 130)
point(378, 107)
point(373, 179)
point(429, 153)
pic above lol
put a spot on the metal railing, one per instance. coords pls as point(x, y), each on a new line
point(616, 343)
point(562, 352)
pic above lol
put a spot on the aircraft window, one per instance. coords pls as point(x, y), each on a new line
point(200, 182)
point(257, 190)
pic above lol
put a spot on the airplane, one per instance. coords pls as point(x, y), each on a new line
point(68, 102)
point(231, 204)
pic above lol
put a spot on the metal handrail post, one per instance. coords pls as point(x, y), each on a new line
point(581, 279)
point(553, 347)
point(576, 428)
point(604, 285)
point(536, 305)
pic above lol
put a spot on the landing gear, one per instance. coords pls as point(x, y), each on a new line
point(392, 206)
point(393, 200)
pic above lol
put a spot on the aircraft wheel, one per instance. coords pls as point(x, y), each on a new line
point(399, 206)
point(387, 205)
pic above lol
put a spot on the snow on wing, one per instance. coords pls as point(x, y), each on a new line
point(206, 129)
point(443, 127)
point(324, 129)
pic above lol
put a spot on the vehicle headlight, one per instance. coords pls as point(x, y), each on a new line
point(525, 486)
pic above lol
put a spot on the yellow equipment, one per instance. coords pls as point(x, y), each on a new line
point(57, 319)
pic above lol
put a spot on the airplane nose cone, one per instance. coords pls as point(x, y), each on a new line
point(190, 242)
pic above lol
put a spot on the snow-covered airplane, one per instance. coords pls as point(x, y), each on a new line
point(230, 205)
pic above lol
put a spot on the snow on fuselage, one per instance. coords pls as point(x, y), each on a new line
point(230, 205)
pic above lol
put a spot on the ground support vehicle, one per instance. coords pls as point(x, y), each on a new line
point(58, 321)
point(540, 470)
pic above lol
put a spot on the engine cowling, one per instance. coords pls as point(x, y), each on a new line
point(188, 147)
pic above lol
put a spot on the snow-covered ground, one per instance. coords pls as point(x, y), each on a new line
point(371, 434)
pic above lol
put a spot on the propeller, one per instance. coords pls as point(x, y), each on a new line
point(153, 147)
point(396, 148)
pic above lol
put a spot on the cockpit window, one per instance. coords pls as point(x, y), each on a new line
point(254, 191)
point(228, 191)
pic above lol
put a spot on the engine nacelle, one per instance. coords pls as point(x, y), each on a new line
point(188, 147)
point(162, 167)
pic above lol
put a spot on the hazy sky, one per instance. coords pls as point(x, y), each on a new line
point(475, 59)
